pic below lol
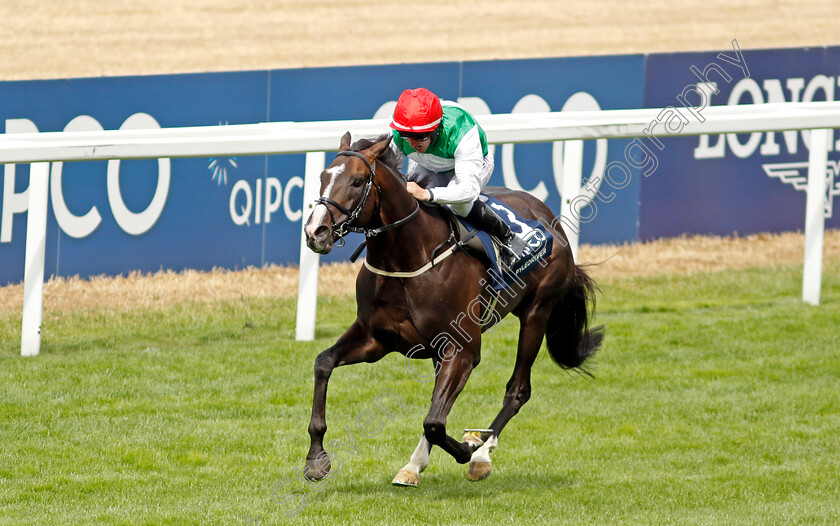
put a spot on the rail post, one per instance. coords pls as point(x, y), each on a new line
point(36, 243)
point(308, 279)
point(815, 216)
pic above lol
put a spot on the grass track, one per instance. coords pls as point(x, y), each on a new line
point(715, 401)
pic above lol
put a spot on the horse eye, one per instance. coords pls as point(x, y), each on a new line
point(358, 181)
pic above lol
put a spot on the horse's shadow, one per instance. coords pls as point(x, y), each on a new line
point(439, 486)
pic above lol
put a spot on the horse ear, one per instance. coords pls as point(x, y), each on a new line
point(345, 142)
point(379, 147)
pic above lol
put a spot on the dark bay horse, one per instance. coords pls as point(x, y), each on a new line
point(432, 314)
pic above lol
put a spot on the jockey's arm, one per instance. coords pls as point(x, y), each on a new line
point(465, 185)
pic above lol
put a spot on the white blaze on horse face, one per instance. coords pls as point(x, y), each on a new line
point(320, 212)
point(333, 172)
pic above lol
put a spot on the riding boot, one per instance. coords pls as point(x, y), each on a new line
point(485, 218)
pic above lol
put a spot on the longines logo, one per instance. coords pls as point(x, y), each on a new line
point(796, 174)
point(768, 144)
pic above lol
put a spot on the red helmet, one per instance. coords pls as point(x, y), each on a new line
point(417, 110)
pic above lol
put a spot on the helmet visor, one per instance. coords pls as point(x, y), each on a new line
point(416, 136)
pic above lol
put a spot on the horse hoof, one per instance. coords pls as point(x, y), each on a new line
point(479, 471)
point(406, 478)
point(316, 469)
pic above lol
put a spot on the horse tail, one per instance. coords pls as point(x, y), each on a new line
point(569, 339)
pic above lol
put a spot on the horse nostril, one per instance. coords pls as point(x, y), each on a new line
point(321, 232)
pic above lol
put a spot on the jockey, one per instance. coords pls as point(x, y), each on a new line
point(448, 161)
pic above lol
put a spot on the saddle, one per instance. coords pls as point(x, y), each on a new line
point(484, 247)
point(481, 245)
point(464, 234)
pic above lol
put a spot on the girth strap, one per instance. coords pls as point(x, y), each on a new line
point(417, 272)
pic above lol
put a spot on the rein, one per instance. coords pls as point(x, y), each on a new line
point(346, 226)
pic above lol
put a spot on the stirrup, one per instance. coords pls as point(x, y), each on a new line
point(507, 255)
point(517, 245)
point(512, 248)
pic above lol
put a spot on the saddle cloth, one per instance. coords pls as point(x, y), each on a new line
point(537, 240)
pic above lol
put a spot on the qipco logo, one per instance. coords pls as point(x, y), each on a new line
point(247, 204)
point(80, 226)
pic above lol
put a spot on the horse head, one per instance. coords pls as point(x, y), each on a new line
point(347, 202)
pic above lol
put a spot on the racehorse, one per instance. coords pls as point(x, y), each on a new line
point(405, 300)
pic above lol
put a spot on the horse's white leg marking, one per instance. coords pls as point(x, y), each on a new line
point(409, 475)
point(320, 212)
point(480, 466)
point(482, 454)
point(420, 458)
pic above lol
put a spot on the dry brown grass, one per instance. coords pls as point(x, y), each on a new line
point(60, 38)
point(138, 290)
point(691, 254)
point(684, 255)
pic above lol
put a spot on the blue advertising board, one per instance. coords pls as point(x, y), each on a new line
point(120, 216)
point(115, 217)
point(565, 84)
point(727, 183)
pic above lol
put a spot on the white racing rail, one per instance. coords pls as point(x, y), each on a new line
point(315, 138)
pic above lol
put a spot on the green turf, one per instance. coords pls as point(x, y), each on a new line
point(716, 400)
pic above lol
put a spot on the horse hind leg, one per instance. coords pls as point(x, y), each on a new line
point(410, 474)
point(570, 342)
point(480, 466)
point(450, 380)
point(518, 391)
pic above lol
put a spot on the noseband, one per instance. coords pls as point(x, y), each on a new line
point(347, 226)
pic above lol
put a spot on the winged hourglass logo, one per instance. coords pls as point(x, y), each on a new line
point(220, 166)
point(796, 174)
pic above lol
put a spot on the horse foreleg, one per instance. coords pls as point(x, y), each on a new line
point(518, 391)
point(355, 345)
point(410, 474)
point(450, 380)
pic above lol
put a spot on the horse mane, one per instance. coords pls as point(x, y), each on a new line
point(387, 157)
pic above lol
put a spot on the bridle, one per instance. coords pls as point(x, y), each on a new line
point(347, 226)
